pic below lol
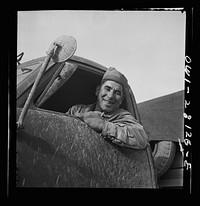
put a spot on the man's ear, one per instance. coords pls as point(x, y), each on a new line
point(97, 90)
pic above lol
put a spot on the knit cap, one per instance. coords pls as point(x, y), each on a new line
point(114, 75)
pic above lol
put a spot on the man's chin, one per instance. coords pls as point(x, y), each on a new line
point(108, 110)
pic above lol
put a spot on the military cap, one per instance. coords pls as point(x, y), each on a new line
point(114, 75)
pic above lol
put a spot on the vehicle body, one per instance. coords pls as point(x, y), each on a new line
point(58, 150)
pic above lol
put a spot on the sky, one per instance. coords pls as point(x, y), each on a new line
point(148, 47)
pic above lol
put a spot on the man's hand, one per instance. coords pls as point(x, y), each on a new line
point(93, 119)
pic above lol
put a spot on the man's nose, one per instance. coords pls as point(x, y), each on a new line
point(110, 94)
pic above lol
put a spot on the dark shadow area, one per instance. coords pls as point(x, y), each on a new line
point(78, 89)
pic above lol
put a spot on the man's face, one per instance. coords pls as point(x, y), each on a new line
point(110, 96)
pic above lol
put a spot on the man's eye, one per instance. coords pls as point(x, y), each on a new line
point(107, 88)
point(118, 93)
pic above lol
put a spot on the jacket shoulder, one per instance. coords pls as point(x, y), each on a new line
point(126, 114)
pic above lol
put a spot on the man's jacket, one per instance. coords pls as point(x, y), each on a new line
point(121, 127)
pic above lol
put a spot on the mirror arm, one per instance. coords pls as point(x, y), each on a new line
point(28, 101)
point(60, 50)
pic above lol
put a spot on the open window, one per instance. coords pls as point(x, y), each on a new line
point(74, 85)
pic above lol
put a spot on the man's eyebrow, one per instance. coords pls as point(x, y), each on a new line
point(108, 86)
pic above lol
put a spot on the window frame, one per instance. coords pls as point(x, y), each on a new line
point(24, 86)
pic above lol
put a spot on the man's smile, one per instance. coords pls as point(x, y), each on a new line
point(107, 102)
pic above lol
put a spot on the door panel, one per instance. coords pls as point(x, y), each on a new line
point(54, 150)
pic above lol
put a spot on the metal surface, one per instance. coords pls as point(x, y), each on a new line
point(162, 117)
point(66, 47)
point(61, 151)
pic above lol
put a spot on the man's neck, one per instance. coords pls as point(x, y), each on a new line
point(97, 108)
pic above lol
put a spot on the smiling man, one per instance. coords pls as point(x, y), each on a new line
point(106, 117)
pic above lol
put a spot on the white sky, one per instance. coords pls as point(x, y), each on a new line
point(147, 46)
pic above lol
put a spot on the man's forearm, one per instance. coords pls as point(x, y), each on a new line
point(131, 135)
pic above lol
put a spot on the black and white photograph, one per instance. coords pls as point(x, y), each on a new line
point(101, 99)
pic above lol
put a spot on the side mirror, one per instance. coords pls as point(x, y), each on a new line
point(60, 50)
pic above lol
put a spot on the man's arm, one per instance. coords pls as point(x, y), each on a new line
point(74, 109)
point(125, 130)
point(130, 135)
